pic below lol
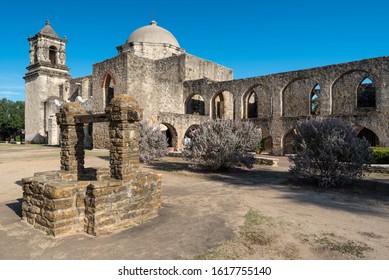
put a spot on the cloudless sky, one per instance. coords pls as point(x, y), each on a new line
point(251, 37)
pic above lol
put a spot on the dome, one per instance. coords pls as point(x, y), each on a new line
point(153, 34)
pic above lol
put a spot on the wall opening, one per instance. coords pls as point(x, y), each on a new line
point(218, 106)
point(53, 55)
point(314, 102)
point(223, 105)
point(188, 134)
point(288, 142)
point(171, 135)
point(252, 105)
point(366, 94)
point(370, 136)
point(109, 92)
point(195, 105)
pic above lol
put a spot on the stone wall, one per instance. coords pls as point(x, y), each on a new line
point(284, 99)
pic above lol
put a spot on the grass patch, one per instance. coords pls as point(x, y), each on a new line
point(331, 242)
point(258, 232)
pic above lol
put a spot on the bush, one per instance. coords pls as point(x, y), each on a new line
point(152, 143)
point(381, 155)
point(221, 144)
point(329, 153)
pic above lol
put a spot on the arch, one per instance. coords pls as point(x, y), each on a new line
point(268, 144)
point(53, 55)
point(288, 142)
point(190, 129)
point(195, 105)
point(370, 136)
point(344, 91)
point(366, 94)
point(171, 135)
point(250, 104)
point(222, 105)
point(109, 91)
point(314, 101)
point(188, 134)
point(296, 97)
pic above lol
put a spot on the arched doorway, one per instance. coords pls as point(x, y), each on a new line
point(171, 135)
point(188, 134)
point(370, 136)
point(288, 142)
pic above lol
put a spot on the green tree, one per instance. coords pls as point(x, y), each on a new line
point(11, 118)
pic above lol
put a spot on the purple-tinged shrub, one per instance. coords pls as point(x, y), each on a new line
point(221, 144)
point(329, 153)
point(152, 142)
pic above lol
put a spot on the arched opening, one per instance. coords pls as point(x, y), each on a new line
point(195, 105)
point(288, 142)
point(251, 105)
point(366, 94)
point(189, 134)
point(171, 135)
point(370, 136)
point(223, 105)
point(53, 55)
point(314, 101)
point(268, 144)
point(218, 106)
point(297, 96)
point(109, 92)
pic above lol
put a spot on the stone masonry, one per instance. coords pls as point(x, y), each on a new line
point(96, 201)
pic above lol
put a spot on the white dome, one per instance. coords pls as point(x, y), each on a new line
point(152, 34)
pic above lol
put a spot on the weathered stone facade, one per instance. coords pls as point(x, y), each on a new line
point(167, 82)
point(95, 201)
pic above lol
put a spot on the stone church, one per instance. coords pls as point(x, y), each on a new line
point(178, 91)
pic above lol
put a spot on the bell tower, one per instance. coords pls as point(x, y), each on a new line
point(46, 79)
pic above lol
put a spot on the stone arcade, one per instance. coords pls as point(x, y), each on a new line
point(98, 202)
point(178, 91)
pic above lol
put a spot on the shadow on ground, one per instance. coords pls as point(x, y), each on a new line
point(16, 207)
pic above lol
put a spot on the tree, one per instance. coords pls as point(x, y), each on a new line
point(152, 143)
point(221, 144)
point(328, 152)
point(11, 118)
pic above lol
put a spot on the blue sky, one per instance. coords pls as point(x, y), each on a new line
point(252, 37)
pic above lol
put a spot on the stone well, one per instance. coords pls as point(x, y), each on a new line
point(96, 201)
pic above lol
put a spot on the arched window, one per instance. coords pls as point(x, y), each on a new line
point(108, 90)
point(370, 136)
point(195, 105)
point(53, 55)
point(366, 94)
point(314, 101)
point(252, 105)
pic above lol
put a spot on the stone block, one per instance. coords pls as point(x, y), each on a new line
point(59, 190)
point(60, 214)
point(59, 204)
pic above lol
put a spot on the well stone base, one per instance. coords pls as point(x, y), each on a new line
point(62, 203)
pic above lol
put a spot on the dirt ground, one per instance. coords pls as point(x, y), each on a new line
point(242, 214)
